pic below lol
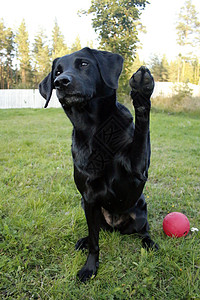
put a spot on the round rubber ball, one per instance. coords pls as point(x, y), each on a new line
point(176, 224)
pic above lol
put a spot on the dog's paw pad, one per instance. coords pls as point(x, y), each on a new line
point(142, 82)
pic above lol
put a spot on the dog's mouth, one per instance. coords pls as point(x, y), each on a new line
point(68, 100)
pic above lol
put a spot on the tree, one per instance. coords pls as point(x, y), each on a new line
point(137, 63)
point(2, 52)
point(23, 54)
point(188, 27)
point(76, 45)
point(188, 31)
point(59, 48)
point(159, 68)
point(41, 56)
point(117, 23)
point(6, 55)
point(173, 70)
point(9, 47)
point(196, 69)
point(90, 44)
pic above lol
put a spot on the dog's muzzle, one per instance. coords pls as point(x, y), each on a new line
point(71, 100)
point(65, 91)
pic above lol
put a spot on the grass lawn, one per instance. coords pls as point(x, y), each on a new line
point(41, 217)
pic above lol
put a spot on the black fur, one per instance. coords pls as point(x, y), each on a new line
point(111, 155)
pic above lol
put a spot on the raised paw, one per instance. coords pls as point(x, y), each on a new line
point(82, 244)
point(142, 85)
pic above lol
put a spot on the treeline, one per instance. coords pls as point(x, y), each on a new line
point(182, 69)
point(186, 67)
point(24, 65)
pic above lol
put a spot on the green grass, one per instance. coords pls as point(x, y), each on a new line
point(41, 217)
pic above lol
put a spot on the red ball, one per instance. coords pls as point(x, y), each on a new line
point(176, 224)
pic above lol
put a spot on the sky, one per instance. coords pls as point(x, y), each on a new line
point(159, 17)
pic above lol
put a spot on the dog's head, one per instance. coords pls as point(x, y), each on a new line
point(82, 75)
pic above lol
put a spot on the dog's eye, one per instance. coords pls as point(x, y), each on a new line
point(84, 64)
point(58, 73)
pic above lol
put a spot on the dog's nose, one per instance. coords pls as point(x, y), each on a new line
point(62, 81)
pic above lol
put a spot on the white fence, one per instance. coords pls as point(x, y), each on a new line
point(25, 99)
point(168, 89)
point(33, 99)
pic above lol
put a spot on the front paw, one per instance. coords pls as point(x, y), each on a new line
point(85, 274)
point(142, 85)
point(89, 270)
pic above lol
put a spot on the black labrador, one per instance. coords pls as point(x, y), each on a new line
point(111, 155)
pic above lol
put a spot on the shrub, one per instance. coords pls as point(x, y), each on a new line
point(182, 91)
point(177, 103)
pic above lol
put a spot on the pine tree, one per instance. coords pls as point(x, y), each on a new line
point(41, 55)
point(76, 45)
point(59, 48)
point(2, 46)
point(173, 70)
point(23, 54)
point(9, 47)
point(196, 70)
point(160, 68)
point(164, 69)
point(6, 55)
point(188, 31)
point(137, 63)
point(90, 44)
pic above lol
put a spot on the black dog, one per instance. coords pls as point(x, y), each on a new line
point(111, 156)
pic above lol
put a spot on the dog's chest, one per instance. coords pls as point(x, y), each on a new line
point(96, 149)
point(89, 157)
point(100, 176)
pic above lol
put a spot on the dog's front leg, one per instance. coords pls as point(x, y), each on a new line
point(142, 85)
point(93, 215)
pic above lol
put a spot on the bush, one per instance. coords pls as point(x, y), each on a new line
point(177, 103)
point(182, 91)
point(181, 101)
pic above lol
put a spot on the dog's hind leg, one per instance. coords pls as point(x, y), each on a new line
point(138, 224)
point(83, 243)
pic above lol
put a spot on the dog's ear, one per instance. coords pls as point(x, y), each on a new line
point(47, 85)
point(110, 66)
